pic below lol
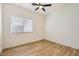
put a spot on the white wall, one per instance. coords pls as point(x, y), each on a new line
point(62, 26)
point(14, 39)
point(0, 28)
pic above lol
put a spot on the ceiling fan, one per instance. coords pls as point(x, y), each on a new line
point(39, 5)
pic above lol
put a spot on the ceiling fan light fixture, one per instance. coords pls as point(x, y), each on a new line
point(40, 6)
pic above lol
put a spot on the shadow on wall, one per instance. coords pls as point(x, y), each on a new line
point(63, 26)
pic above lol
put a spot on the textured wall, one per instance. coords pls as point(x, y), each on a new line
point(62, 26)
point(14, 39)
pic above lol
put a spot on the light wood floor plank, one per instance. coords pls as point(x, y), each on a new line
point(41, 48)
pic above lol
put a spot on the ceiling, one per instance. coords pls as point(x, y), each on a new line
point(29, 6)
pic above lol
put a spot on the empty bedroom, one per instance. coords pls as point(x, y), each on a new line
point(39, 29)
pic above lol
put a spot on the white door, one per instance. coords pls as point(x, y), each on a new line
point(0, 28)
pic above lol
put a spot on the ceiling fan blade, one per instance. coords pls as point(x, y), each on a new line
point(43, 9)
point(47, 5)
point(34, 4)
point(37, 8)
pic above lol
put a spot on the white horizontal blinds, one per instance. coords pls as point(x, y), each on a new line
point(19, 24)
point(28, 25)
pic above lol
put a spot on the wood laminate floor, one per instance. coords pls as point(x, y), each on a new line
point(41, 48)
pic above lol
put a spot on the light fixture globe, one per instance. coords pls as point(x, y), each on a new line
point(40, 6)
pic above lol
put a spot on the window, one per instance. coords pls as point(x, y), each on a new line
point(19, 24)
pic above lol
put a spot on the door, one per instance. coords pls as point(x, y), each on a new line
point(0, 28)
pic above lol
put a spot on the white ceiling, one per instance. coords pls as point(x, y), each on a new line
point(54, 7)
